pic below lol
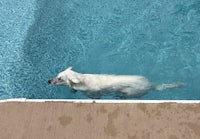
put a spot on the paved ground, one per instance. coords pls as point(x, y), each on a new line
point(62, 120)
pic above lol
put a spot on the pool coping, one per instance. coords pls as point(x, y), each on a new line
point(97, 101)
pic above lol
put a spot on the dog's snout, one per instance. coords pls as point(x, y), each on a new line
point(49, 81)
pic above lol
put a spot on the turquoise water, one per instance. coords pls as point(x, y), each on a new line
point(159, 39)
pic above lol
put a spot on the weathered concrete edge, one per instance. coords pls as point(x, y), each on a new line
point(97, 101)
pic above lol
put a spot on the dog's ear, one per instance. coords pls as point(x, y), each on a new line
point(69, 68)
point(74, 80)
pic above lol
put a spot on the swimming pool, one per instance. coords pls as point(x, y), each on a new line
point(157, 39)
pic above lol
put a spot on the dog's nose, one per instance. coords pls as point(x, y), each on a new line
point(49, 81)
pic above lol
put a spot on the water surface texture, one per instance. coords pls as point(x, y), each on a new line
point(159, 39)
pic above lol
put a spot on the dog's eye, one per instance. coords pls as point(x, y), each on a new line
point(59, 79)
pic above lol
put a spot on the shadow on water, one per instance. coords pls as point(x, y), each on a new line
point(48, 49)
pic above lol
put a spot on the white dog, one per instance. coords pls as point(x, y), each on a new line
point(96, 85)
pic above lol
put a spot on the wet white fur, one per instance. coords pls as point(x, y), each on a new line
point(96, 85)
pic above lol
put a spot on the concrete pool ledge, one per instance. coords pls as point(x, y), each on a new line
point(98, 101)
point(99, 119)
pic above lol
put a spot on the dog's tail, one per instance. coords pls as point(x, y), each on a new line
point(168, 86)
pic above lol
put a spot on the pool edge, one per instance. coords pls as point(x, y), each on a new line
point(97, 101)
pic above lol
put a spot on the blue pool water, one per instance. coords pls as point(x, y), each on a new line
point(159, 39)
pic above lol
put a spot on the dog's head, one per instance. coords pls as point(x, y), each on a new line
point(66, 77)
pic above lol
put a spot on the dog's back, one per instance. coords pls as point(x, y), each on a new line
point(129, 85)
